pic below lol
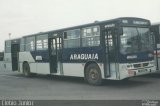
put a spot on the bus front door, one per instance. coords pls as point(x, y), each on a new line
point(55, 49)
point(110, 60)
point(14, 51)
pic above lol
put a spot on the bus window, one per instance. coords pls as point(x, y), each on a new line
point(72, 38)
point(42, 42)
point(58, 43)
point(90, 36)
point(22, 45)
point(135, 39)
point(30, 43)
point(96, 31)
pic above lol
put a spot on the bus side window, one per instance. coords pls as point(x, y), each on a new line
point(90, 36)
point(110, 41)
point(22, 44)
point(42, 42)
point(72, 38)
point(30, 43)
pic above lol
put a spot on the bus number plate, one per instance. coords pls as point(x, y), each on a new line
point(131, 73)
point(142, 70)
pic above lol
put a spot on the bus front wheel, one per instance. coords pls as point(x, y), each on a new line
point(93, 75)
point(26, 70)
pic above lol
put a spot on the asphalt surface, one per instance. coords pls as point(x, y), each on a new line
point(14, 85)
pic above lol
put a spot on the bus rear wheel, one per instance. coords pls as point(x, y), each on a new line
point(26, 70)
point(93, 75)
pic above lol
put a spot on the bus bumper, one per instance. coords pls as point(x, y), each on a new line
point(131, 72)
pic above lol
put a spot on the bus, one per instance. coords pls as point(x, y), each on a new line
point(114, 49)
point(155, 30)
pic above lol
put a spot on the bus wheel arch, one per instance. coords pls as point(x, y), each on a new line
point(92, 73)
point(26, 69)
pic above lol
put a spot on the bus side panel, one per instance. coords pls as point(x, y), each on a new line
point(27, 57)
point(33, 68)
point(123, 70)
point(7, 61)
point(73, 69)
point(113, 71)
point(130, 72)
point(77, 69)
point(43, 68)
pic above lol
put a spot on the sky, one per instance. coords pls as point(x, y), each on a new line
point(24, 17)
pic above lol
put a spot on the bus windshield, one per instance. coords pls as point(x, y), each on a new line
point(135, 39)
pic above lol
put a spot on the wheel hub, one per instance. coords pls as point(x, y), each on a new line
point(93, 74)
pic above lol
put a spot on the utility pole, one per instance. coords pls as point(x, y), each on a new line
point(9, 35)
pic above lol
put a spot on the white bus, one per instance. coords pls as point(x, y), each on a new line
point(155, 29)
point(115, 49)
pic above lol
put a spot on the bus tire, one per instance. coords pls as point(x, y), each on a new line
point(126, 80)
point(93, 74)
point(26, 70)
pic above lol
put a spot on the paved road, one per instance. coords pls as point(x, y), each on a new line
point(16, 86)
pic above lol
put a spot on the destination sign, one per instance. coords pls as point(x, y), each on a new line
point(135, 22)
point(140, 22)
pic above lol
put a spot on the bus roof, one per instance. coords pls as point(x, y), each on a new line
point(157, 23)
point(13, 39)
point(87, 25)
